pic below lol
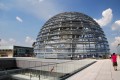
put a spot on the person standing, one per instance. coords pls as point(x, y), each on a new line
point(114, 61)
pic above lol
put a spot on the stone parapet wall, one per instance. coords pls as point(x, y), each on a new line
point(7, 63)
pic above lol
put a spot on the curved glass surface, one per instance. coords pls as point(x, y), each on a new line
point(70, 33)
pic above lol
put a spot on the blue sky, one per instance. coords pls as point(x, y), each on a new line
point(21, 20)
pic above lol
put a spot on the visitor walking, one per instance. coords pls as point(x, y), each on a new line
point(114, 61)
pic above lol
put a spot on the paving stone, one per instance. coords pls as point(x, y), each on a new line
point(101, 70)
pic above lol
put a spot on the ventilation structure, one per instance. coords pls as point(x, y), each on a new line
point(70, 33)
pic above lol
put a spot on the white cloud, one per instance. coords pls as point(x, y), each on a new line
point(38, 8)
point(3, 42)
point(116, 42)
point(3, 7)
point(116, 26)
point(40, 0)
point(19, 19)
point(10, 41)
point(29, 40)
point(106, 17)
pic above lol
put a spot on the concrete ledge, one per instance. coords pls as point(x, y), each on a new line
point(76, 71)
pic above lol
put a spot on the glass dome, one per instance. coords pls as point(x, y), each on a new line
point(70, 33)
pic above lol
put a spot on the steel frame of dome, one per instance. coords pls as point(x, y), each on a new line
point(70, 33)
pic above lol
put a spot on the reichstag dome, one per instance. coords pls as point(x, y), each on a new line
point(71, 34)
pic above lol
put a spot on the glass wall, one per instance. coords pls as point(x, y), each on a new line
point(44, 70)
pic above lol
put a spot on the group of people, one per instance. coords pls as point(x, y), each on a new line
point(114, 61)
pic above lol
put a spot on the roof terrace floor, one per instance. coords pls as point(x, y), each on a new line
point(101, 70)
